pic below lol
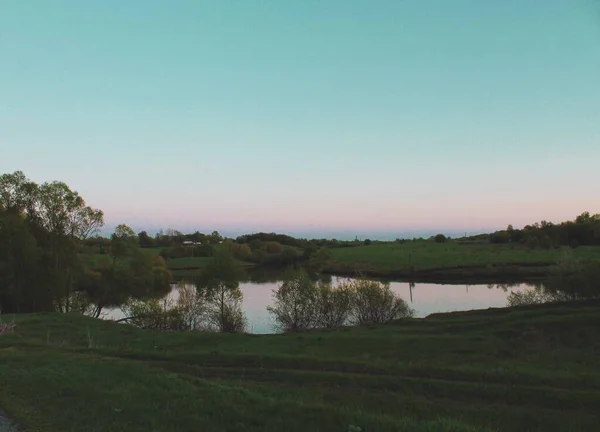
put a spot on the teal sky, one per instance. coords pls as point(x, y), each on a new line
point(310, 116)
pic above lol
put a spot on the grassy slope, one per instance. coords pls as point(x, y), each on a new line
point(451, 259)
point(517, 369)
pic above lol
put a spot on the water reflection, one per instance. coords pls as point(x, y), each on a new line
point(425, 298)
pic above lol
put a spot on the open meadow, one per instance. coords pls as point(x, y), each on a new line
point(516, 369)
point(455, 260)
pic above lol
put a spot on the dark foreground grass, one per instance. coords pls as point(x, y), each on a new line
point(426, 260)
point(521, 369)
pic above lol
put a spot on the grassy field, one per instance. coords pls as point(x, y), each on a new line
point(420, 261)
point(521, 369)
point(453, 260)
point(180, 267)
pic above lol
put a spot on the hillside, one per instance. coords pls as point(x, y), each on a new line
point(506, 369)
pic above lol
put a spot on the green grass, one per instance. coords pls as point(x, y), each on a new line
point(528, 368)
point(453, 259)
point(190, 266)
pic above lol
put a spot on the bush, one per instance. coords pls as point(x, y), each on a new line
point(374, 302)
point(154, 314)
point(241, 251)
point(333, 305)
point(258, 256)
point(295, 303)
point(273, 247)
point(255, 244)
point(440, 238)
point(535, 295)
point(300, 304)
point(532, 242)
point(500, 237)
point(219, 286)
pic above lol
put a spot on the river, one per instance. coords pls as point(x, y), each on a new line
point(425, 298)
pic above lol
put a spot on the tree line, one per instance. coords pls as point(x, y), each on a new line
point(584, 230)
point(43, 229)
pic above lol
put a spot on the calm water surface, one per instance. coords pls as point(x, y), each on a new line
point(425, 298)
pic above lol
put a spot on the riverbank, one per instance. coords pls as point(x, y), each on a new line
point(527, 368)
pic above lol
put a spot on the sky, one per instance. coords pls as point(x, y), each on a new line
point(329, 116)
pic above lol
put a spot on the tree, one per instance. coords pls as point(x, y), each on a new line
point(241, 251)
point(373, 302)
point(440, 238)
point(333, 304)
point(145, 240)
point(273, 247)
point(42, 233)
point(65, 220)
point(295, 303)
point(219, 286)
point(255, 244)
point(215, 237)
point(21, 267)
point(319, 260)
point(17, 193)
point(123, 242)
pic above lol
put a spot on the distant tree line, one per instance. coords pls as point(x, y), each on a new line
point(584, 230)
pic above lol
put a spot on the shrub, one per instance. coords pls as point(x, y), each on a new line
point(258, 256)
point(155, 314)
point(273, 247)
point(532, 242)
point(191, 307)
point(219, 286)
point(535, 295)
point(373, 302)
point(500, 237)
point(440, 238)
point(295, 303)
point(255, 244)
point(333, 305)
point(241, 251)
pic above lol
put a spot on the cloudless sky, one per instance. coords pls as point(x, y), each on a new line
point(312, 116)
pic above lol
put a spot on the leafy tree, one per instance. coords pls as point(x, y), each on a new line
point(145, 240)
point(319, 260)
point(219, 286)
point(123, 242)
point(373, 302)
point(258, 256)
point(334, 305)
point(241, 251)
point(255, 244)
point(43, 229)
point(21, 267)
point(440, 238)
point(273, 247)
point(295, 303)
point(215, 237)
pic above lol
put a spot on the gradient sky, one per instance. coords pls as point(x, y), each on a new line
point(312, 116)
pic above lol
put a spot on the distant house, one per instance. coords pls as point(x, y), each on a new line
point(190, 243)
